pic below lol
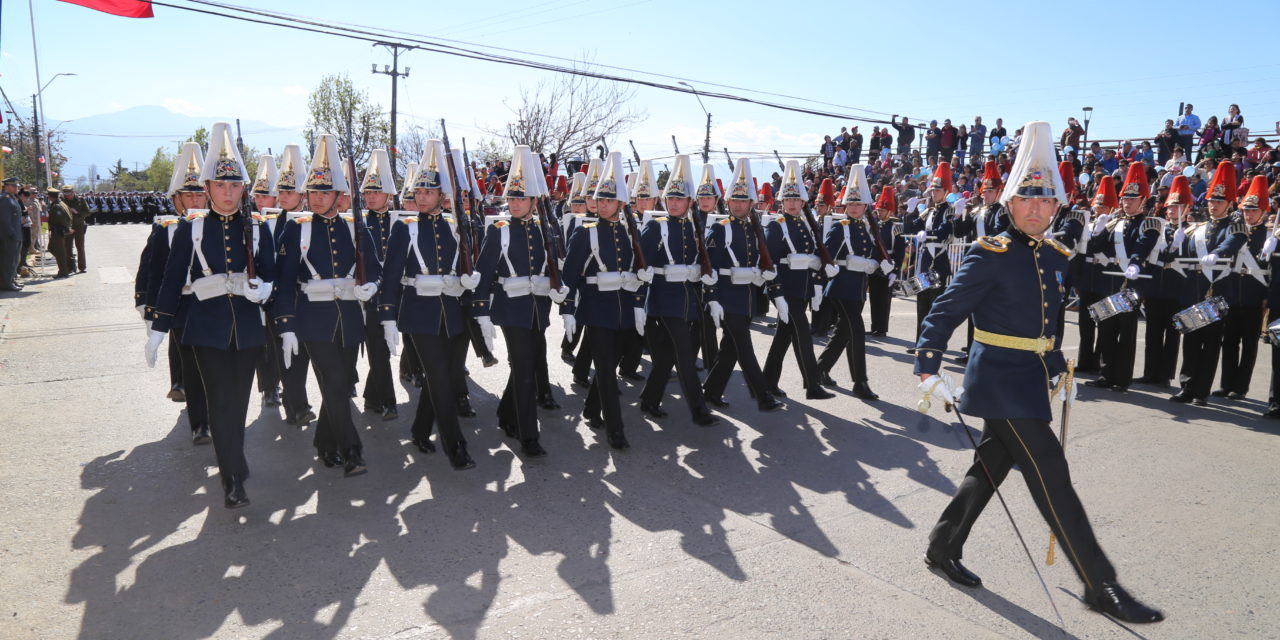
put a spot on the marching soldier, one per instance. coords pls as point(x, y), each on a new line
point(643, 188)
point(1009, 379)
point(377, 191)
point(880, 284)
point(582, 361)
point(932, 230)
point(602, 267)
point(793, 246)
point(671, 248)
point(229, 264)
point(1087, 275)
point(569, 221)
point(1211, 245)
point(266, 196)
point(1070, 230)
point(852, 243)
point(1126, 241)
point(824, 317)
point(410, 368)
point(291, 182)
point(1245, 293)
point(1164, 290)
point(515, 293)
point(707, 201)
point(422, 285)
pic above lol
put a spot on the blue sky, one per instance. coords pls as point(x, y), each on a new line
point(1133, 62)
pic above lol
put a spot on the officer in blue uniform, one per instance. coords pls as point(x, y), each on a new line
point(673, 301)
point(319, 299)
point(852, 245)
point(707, 204)
point(265, 196)
point(291, 198)
point(880, 284)
point(187, 192)
point(422, 286)
point(515, 293)
point(1210, 247)
point(735, 249)
point(377, 191)
point(1126, 242)
point(793, 247)
point(1162, 292)
point(569, 220)
point(215, 252)
point(1011, 286)
point(932, 231)
point(1245, 294)
point(602, 269)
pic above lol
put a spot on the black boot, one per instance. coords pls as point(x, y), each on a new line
point(459, 458)
point(954, 571)
point(353, 463)
point(200, 434)
point(863, 390)
point(234, 494)
point(464, 408)
point(1114, 601)
point(548, 401)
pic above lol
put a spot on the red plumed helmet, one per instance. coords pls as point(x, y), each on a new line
point(766, 194)
point(1106, 196)
point(941, 177)
point(1135, 182)
point(827, 192)
point(888, 200)
point(1256, 196)
point(1223, 185)
point(562, 184)
point(1179, 192)
point(991, 176)
point(1068, 173)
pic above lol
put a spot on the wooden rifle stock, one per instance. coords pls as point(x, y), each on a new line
point(637, 263)
point(357, 217)
point(818, 240)
point(246, 212)
point(466, 239)
point(548, 244)
point(766, 260)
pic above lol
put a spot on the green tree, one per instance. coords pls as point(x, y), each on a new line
point(160, 170)
point(335, 103)
point(22, 162)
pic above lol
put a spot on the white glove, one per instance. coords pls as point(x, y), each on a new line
point(893, 277)
point(364, 292)
point(645, 274)
point(1209, 260)
point(1071, 394)
point(769, 275)
point(1269, 246)
point(570, 323)
point(1181, 234)
point(1132, 272)
point(486, 330)
point(886, 266)
point(258, 291)
point(831, 270)
point(289, 347)
point(716, 312)
point(154, 340)
point(920, 237)
point(142, 310)
point(710, 279)
point(558, 295)
point(469, 280)
point(816, 301)
point(784, 312)
point(391, 333)
point(1100, 223)
point(940, 387)
point(641, 316)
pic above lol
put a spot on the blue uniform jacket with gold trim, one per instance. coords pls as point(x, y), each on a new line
point(332, 255)
point(850, 284)
point(795, 283)
point(527, 253)
point(671, 299)
point(740, 299)
point(605, 309)
point(439, 315)
point(1014, 290)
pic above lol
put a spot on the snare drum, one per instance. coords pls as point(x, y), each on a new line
point(1114, 305)
point(1202, 314)
point(920, 282)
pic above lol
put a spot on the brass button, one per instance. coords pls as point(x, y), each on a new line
point(928, 354)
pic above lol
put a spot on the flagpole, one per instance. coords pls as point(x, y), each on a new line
point(41, 142)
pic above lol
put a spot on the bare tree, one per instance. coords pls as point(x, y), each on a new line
point(413, 143)
point(333, 104)
point(569, 115)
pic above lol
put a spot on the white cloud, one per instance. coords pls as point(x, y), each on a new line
point(5, 54)
point(185, 107)
point(294, 90)
point(116, 106)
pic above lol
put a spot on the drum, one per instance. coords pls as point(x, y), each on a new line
point(1273, 333)
point(919, 282)
point(1114, 305)
point(1202, 314)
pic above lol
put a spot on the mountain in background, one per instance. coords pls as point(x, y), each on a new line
point(133, 135)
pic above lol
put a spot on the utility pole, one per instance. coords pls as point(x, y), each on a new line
point(396, 74)
point(35, 133)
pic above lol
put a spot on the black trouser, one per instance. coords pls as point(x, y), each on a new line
point(269, 365)
point(476, 337)
point(1032, 445)
point(1160, 357)
point(850, 338)
point(410, 365)
point(1118, 346)
point(582, 361)
point(569, 342)
point(192, 383)
point(1089, 349)
point(1200, 350)
point(1240, 347)
point(518, 406)
point(705, 338)
point(293, 380)
point(604, 397)
point(380, 386)
point(228, 380)
point(458, 364)
point(541, 372)
point(797, 335)
point(175, 361)
point(924, 303)
point(438, 401)
point(671, 345)
point(1273, 400)
point(735, 349)
point(824, 318)
point(881, 296)
point(332, 362)
point(631, 351)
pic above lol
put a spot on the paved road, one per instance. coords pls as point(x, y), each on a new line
point(809, 523)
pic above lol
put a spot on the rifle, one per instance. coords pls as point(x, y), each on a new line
point(246, 212)
point(549, 245)
point(818, 240)
point(726, 155)
point(633, 230)
point(466, 245)
point(673, 144)
point(357, 215)
point(635, 153)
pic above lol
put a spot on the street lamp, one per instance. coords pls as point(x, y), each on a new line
point(48, 156)
point(1088, 113)
point(706, 145)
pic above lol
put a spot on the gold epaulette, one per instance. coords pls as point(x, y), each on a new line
point(302, 219)
point(257, 217)
point(1151, 224)
point(410, 220)
point(845, 222)
point(661, 219)
point(590, 225)
point(1059, 247)
point(1074, 214)
point(271, 216)
point(994, 243)
point(501, 223)
point(347, 217)
point(168, 223)
point(195, 216)
point(725, 221)
point(1238, 226)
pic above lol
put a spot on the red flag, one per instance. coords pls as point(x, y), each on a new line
point(124, 8)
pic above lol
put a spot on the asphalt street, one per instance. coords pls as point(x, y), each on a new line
point(806, 523)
